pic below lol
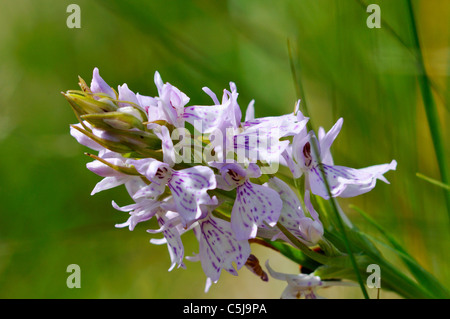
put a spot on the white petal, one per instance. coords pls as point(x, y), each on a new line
point(219, 249)
point(254, 205)
point(189, 190)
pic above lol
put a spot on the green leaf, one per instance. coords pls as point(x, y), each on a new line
point(424, 278)
point(433, 181)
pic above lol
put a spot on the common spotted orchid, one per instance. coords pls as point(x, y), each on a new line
point(226, 197)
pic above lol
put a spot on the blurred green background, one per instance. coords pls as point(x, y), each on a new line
point(48, 220)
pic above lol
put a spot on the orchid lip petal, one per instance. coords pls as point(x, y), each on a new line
point(189, 190)
point(219, 248)
point(346, 182)
point(254, 205)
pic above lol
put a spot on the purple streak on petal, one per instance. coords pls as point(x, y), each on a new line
point(219, 248)
point(139, 212)
point(210, 117)
point(292, 217)
point(149, 167)
point(171, 101)
point(347, 182)
point(254, 205)
point(376, 172)
point(152, 190)
point(148, 103)
point(189, 190)
point(172, 236)
point(289, 162)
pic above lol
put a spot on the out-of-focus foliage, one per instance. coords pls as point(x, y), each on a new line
point(48, 220)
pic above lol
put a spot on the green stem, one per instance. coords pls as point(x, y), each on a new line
point(299, 89)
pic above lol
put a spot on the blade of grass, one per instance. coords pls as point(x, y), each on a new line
point(433, 181)
point(422, 276)
point(430, 108)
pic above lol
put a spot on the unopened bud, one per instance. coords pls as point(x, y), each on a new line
point(312, 229)
point(86, 104)
point(114, 120)
point(84, 87)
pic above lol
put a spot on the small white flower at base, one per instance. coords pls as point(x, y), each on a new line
point(303, 286)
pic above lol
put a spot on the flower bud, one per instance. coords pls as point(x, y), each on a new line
point(86, 104)
point(114, 120)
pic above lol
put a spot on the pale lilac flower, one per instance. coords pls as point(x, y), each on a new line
point(307, 229)
point(256, 139)
point(171, 226)
point(343, 181)
point(261, 136)
point(218, 246)
point(112, 177)
point(169, 221)
point(171, 102)
point(188, 186)
point(144, 209)
point(98, 85)
point(220, 116)
point(254, 205)
point(83, 139)
point(303, 286)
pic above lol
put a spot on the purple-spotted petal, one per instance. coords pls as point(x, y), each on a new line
point(346, 182)
point(288, 125)
point(292, 208)
point(139, 212)
point(149, 167)
point(169, 223)
point(224, 167)
point(189, 190)
point(149, 105)
point(293, 218)
point(153, 190)
point(207, 118)
point(376, 172)
point(262, 136)
point(219, 248)
point(287, 160)
point(254, 205)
